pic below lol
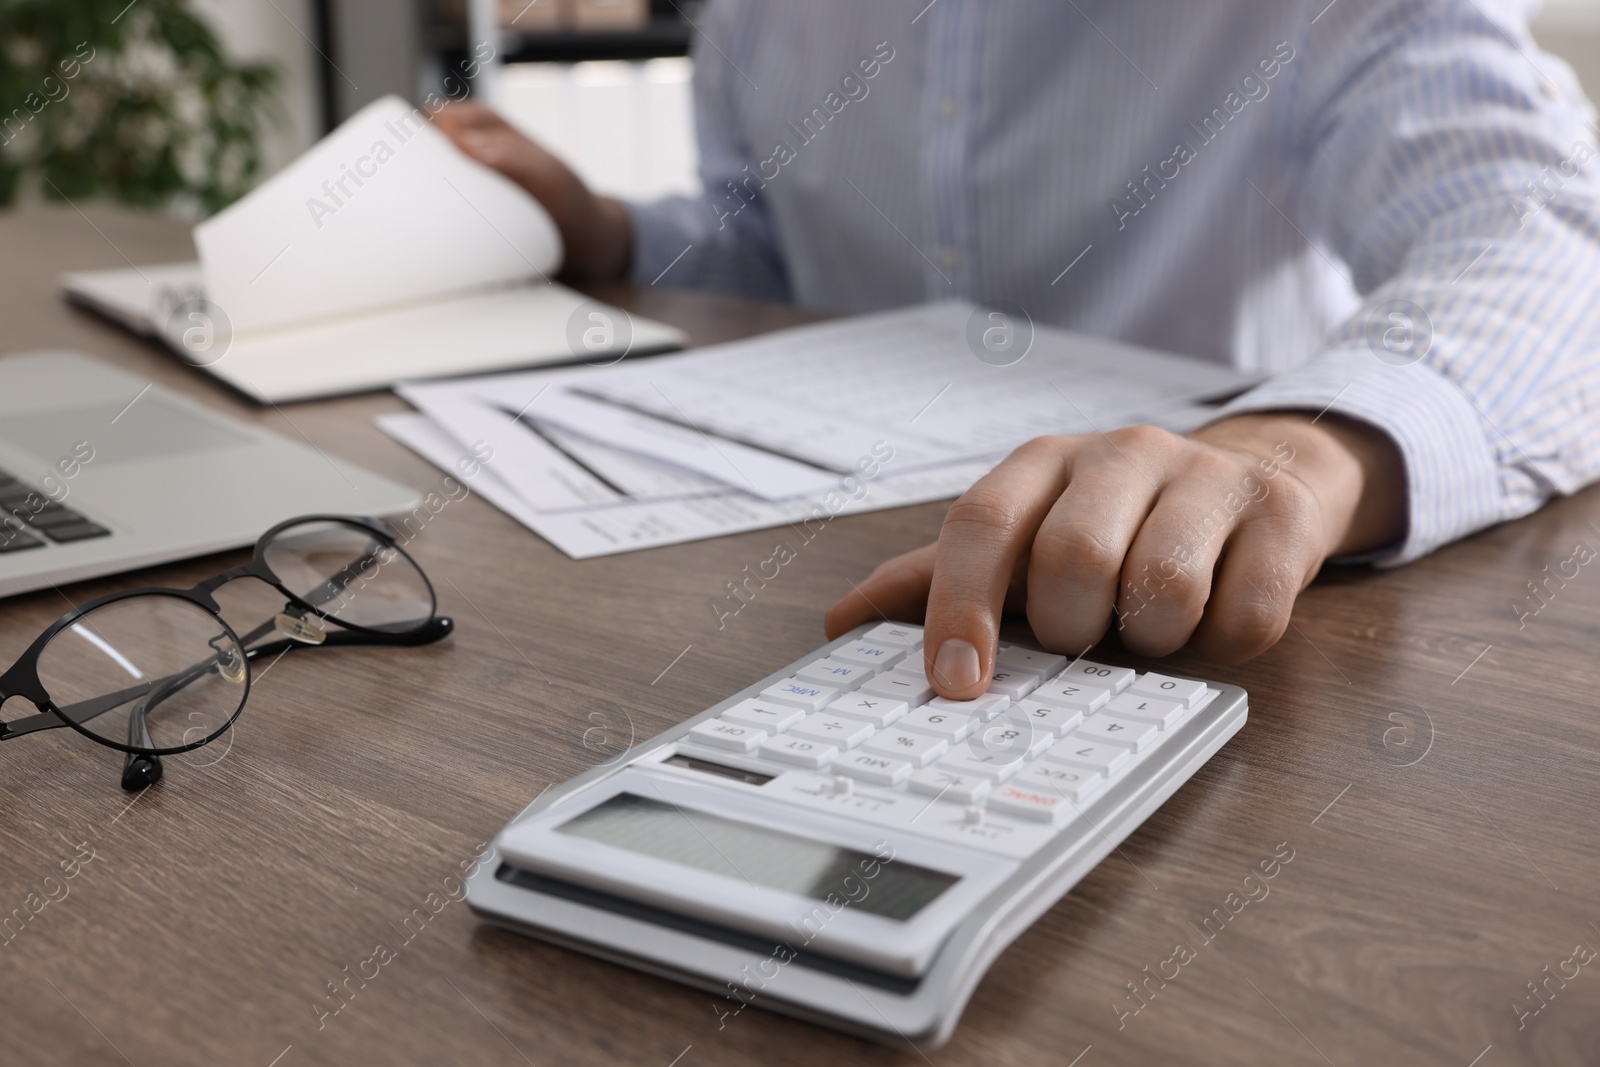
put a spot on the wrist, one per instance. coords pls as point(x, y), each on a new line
point(1353, 470)
point(600, 248)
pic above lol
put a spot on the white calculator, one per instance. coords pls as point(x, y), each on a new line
point(837, 843)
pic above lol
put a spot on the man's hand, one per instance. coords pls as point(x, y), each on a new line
point(1205, 539)
point(594, 229)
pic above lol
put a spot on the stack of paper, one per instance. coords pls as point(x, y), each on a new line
point(794, 427)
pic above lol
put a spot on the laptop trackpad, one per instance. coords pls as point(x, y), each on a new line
point(147, 428)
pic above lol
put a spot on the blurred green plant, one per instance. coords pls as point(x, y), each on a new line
point(130, 100)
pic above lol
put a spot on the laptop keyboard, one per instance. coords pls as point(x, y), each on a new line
point(29, 519)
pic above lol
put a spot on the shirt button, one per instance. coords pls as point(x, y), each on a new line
point(947, 108)
point(948, 257)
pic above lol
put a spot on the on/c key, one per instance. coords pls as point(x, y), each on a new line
point(1038, 805)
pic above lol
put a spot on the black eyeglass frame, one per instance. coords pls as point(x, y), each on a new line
point(22, 678)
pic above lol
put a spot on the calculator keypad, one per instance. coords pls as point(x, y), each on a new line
point(866, 735)
point(869, 707)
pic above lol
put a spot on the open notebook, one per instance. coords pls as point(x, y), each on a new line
point(382, 254)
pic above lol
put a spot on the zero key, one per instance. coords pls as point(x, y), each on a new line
point(1184, 690)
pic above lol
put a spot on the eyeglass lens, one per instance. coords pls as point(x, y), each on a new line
point(350, 574)
point(152, 672)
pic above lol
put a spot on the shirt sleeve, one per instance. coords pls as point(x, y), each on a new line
point(722, 240)
point(1450, 166)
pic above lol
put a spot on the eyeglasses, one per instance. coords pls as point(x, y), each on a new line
point(154, 672)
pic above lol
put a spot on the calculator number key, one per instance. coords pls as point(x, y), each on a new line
point(1058, 721)
point(1017, 740)
point(952, 726)
point(1132, 705)
point(1013, 683)
point(1185, 691)
point(983, 708)
point(1106, 759)
point(1115, 679)
point(1112, 730)
point(1071, 693)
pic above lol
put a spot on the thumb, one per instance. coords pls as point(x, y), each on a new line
point(897, 589)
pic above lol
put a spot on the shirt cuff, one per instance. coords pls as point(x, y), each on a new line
point(661, 230)
point(1451, 471)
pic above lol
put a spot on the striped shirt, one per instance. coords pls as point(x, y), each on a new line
point(1390, 206)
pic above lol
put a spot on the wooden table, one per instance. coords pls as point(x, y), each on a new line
point(1429, 763)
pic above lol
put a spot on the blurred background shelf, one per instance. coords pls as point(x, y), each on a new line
point(604, 83)
point(661, 36)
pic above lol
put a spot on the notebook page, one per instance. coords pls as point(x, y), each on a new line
point(381, 212)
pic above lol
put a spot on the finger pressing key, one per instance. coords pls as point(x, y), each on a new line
point(984, 536)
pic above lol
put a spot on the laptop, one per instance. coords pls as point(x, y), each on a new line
point(102, 471)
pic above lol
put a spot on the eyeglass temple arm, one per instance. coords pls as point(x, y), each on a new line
point(80, 712)
point(140, 770)
point(437, 629)
point(84, 710)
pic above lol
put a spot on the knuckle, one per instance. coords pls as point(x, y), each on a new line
point(1179, 585)
point(1214, 465)
point(1252, 625)
point(1144, 438)
point(1068, 548)
point(986, 509)
point(1293, 512)
point(1046, 444)
point(1289, 497)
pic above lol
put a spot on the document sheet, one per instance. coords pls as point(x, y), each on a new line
point(797, 426)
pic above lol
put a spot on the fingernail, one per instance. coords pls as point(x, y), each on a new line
point(956, 667)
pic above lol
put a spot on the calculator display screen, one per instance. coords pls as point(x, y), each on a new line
point(891, 888)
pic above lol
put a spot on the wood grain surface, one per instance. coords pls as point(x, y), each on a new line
point(1427, 755)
